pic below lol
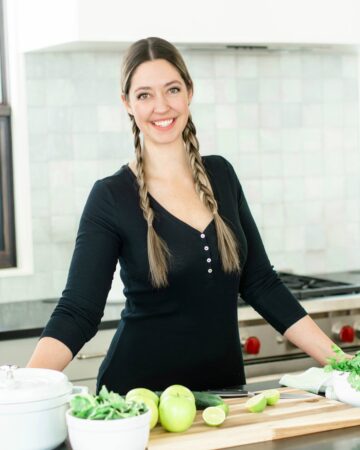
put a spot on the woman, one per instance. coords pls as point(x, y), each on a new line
point(180, 226)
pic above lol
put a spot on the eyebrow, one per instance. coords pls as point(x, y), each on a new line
point(149, 87)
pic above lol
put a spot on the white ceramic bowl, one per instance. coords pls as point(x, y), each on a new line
point(343, 390)
point(131, 433)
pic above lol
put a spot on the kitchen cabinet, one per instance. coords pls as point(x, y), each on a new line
point(106, 25)
point(83, 368)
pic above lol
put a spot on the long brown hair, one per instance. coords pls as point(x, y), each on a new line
point(139, 52)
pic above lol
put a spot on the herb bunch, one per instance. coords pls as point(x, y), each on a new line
point(342, 363)
point(105, 406)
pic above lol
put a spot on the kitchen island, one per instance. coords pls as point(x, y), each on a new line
point(342, 439)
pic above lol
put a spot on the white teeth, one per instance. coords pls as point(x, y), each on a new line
point(164, 123)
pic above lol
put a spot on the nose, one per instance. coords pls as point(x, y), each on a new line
point(160, 104)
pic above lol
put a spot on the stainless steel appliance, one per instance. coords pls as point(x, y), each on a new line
point(333, 302)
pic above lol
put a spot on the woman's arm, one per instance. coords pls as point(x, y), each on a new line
point(307, 335)
point(50, 353)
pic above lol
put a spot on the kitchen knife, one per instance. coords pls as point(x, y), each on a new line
point(228, 393)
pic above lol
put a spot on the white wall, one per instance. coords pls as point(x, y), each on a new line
point(45, 24)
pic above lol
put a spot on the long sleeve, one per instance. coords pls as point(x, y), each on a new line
point(79, 311)
point(260, 285)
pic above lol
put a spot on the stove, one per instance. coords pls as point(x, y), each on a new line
point(305, 287)
point(265, 351)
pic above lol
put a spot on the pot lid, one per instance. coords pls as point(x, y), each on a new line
point(31, 385)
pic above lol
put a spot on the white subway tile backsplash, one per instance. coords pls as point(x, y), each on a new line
point(333, 90)
point(225, 90)
point(61, 200)
point(291, 90)
point(315, 237)
point(226, 117)
point(271, 165)
point(59, 92)
point(225, 64)
point(312, 90)
point(269, 66)
point(291, 116)
point(291, 140)
point(287, 121)
point(59, 119)
point(247, 66)
point(247, 90)
point(311, 65)
point(294, 237)
point(205, 91)
point(270, 115)
point(290, 65)
point(63, 228)
point(269, 90)
point(248, 115)
point(271, 190)
point(86, 146)
point(312, 115)
point(248, 140)
point(270, 140)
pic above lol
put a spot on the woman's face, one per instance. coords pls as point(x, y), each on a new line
point(158, 100)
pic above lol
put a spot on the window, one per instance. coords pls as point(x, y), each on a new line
point(7, 223)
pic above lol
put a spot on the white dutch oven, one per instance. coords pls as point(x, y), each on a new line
point(33, 403)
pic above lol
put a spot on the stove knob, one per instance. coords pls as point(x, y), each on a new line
point(252, 345)
point(345, 333)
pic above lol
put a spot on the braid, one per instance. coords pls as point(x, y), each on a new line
point(158, 252)
point(227, 243)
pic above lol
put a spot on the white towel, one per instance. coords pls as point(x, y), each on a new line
point(314, 380)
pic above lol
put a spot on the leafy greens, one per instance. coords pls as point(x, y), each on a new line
point(342, 363)
point(105, 406)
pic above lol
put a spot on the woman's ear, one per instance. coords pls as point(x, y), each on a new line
point(126, 104)
point(190, 95)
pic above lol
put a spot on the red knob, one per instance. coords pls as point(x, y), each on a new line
point(252, 345)
point(347, 334)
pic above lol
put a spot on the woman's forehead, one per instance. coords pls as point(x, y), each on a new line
point(154, 73)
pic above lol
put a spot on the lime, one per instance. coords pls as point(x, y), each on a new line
point(272, 396)
point(225, 407)
point(256, 403)
point(213, 415)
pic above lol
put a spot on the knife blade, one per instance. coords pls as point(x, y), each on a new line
point(227, 393)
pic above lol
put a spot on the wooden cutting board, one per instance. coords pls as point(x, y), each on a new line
point(286, 419)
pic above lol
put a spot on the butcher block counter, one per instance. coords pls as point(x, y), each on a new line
point(287, 419)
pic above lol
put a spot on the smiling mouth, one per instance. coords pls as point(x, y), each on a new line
point(164, 124)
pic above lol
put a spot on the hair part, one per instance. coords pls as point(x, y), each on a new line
point(142, 51)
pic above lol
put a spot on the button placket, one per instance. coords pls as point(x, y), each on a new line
point(207, 254)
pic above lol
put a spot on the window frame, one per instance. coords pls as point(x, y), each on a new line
point(7, 213)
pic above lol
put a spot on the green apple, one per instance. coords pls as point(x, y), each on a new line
point(177, 390)
point(143, 392)
point(151, 405)
point(177, 413)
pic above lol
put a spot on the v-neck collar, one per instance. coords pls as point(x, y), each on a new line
point(168, 213)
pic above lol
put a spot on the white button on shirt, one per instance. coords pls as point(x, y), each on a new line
point(209, 270)
point(206, 247)
point(208, 260)
point(202, 235)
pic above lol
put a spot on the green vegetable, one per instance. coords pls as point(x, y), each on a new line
point(203, 399)
point(105, 406)
point(342, 363)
